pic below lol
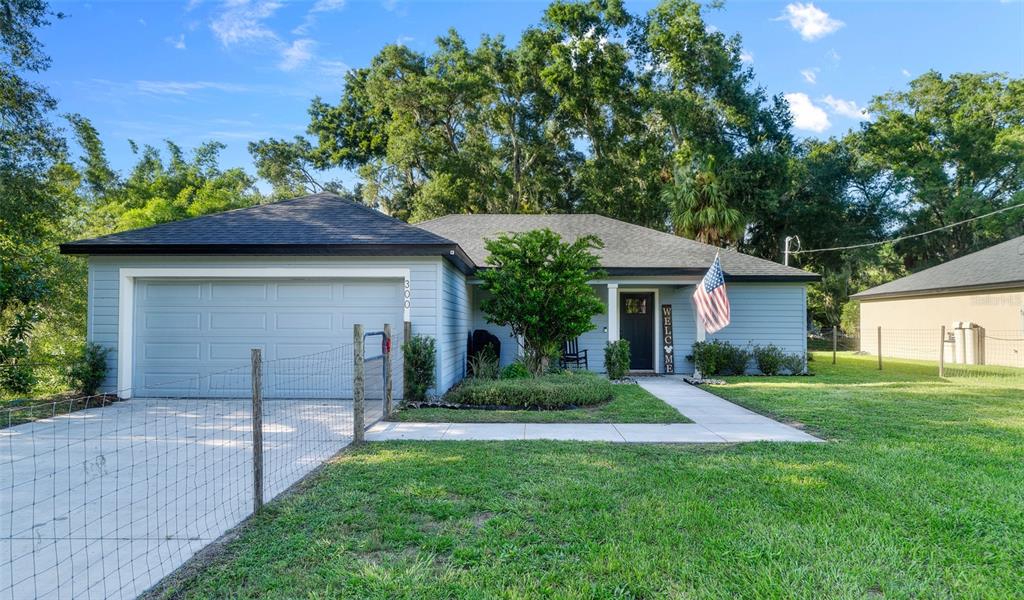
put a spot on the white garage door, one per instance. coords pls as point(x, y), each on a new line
point(189, 332)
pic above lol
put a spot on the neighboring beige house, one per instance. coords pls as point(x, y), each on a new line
point(979, 298)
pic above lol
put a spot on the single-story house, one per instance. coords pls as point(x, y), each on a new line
point(190, 298)
point(982, 291)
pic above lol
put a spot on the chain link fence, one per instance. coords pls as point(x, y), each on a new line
point(103, 497)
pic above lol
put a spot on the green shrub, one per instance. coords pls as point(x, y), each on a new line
point(794, 363)
point(736, 359)
point(88, 372)
point(484, 364)
point(516, 370)
point(717, 357)
point(616, 359)
point(17, 378)
point(419, 356)
point(547, 392)
point(769, 359)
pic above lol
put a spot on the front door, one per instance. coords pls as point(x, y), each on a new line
point(636, 324)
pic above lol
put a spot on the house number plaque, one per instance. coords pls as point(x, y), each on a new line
point(666, 338)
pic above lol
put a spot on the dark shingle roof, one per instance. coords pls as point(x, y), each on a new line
point(1001, 265)
point(628, 249)
point(315, 224)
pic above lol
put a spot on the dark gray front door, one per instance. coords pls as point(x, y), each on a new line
point(636, 324)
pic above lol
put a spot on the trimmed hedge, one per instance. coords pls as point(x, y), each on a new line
point(548, 392)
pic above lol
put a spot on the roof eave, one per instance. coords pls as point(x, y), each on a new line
point(699, 272)
point(450, 251)
point(938, 291)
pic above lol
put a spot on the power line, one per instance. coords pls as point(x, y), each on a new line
point(907, 237)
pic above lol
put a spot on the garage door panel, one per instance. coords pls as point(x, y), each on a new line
point(371, 321)
point(236, 352)
point(173, 382)
point(173, 320)
point(237, 291)
point(305, 293)
point(186, 330)
point(303, 321)
point(357, 292)
point(238, 321)
point(294, 350)
point(171, 350)
point(172, 293)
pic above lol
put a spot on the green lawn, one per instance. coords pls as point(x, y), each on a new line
point(919, 494)
point(631, 404)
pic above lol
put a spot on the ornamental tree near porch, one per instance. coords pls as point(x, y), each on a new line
point(539, 288)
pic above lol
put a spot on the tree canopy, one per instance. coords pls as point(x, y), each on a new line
point(652, 118)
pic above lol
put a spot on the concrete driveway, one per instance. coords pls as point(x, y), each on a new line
point(103, 503)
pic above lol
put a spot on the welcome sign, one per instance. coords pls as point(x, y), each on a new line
point(666, 337)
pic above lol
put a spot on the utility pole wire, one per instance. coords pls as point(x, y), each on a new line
point(907, 237)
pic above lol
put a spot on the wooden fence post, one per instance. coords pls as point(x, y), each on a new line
point(879, 347)
point(358, 400)
point(257, 429)
point(406, 338)
point(387, 370)
point(942, 352)
point(834, 342)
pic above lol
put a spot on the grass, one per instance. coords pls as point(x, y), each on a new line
point(630, 404)
point(917, 495)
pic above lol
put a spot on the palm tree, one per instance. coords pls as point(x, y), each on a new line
point(699, 209)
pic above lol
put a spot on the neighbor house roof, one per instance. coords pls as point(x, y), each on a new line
point(999, 266)
point(628, 249)
point(317, 224)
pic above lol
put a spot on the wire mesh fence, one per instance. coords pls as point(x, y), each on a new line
point(957, 351)
point(102, 498)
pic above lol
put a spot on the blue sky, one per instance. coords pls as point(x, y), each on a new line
point(242, 70)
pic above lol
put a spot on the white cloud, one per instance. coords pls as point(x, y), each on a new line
point(845, 108)
point(810, 75)
point(747, 57)
point(806, 115)
point(297, 54)
point(177, 42)
point(320, 6)
point(905, 72)
point(182, 88)
point(810, 21)
point(333, 68)
point(242, 21)
point(328, 5)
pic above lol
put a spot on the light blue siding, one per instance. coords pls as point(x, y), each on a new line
point(594, 340)
point(767, 313)
point(455, 321)
point(509, 346)
point(103, 289)
point(762, 313)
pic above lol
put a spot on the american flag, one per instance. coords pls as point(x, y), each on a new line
point(711, 299)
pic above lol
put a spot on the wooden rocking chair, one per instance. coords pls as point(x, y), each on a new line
point(572, 355)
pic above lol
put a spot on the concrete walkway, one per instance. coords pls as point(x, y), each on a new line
point(714, 421)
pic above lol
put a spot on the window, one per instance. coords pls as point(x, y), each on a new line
point(636, 306)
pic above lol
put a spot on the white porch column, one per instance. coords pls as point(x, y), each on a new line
point(613, 312)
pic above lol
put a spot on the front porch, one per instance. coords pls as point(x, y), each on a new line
point(655, 314)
